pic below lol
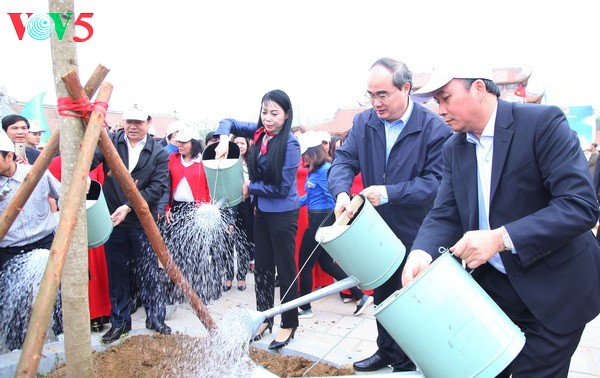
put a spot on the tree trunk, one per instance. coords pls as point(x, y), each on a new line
point(74, 286)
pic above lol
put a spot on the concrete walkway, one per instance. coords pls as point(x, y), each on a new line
point(334, 334)
point(337, 336)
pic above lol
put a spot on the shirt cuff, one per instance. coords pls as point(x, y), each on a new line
point(383, 195)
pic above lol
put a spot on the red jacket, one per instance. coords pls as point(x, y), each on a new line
point(195, 176)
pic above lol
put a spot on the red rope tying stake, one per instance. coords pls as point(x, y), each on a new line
point(67, 107)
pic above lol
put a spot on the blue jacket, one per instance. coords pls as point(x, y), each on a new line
point(317, 196)
point(412, 174)
point(270, 198)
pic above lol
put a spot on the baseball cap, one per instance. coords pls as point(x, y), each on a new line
point(325, 136)
point(186, 134)
point(5, 143)
point(442, 75)
point(135, 115)
point(35, 126)
point(309, 139)
point(175, 126)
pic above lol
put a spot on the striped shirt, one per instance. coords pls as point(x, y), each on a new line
point(35, 221)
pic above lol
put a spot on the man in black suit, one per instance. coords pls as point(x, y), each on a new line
point(516, 203)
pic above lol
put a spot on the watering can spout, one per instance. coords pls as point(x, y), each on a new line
point(256, 318)
point(221, 202)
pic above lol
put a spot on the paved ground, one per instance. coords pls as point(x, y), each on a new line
point(334, 334)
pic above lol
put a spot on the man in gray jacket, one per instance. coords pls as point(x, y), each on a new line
point(128, 255)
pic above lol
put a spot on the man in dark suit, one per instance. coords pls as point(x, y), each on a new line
point(516, 203)
point(128, 255)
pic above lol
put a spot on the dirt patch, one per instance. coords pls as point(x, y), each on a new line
point(182, 355)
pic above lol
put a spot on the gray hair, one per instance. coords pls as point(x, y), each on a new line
point(400, 71)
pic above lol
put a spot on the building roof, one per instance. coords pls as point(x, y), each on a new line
point(508, 79)
point(159, 121)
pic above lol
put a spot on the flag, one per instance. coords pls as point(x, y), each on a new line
point(521, 91)
point(34, 112)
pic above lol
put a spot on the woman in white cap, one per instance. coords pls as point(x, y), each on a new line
point(189, 188)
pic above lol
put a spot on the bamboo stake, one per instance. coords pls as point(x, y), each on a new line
point(42, 308)
point(123, 177)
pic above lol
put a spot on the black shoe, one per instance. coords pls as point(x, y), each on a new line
point(115, 333)
point(242, 287)
point(375, 362)
point(280, 344)
point(161, 328)
point(398, 370)
point(260, 332)
point(96, 325)
point(226, 288)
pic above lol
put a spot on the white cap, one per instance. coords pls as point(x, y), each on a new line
point(442, 75)
point(35, 126)
point(175, 126)
point(186, 134)
point(6, 144)
point(325, 136)
point(135, 115)
point(309, 139)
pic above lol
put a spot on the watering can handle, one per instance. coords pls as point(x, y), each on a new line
point(355, 204)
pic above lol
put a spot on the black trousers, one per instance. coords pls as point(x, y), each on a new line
point(275, 239)
point(388, 348)
point(545, 354)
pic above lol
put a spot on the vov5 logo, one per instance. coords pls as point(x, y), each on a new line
point(39, 26)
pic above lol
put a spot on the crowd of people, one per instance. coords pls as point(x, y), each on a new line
point(505, 186)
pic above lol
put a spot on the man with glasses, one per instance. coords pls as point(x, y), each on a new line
point(397, 147)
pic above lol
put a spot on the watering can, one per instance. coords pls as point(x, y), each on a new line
point(456, 324)
point(225, 177)
point(364, 246)
point(99, 223)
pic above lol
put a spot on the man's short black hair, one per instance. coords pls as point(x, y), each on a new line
point(11, 119)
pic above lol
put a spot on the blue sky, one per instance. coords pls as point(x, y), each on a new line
point(210, 60)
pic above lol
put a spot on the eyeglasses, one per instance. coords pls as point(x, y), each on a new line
point(379, 96)
point(4, 191)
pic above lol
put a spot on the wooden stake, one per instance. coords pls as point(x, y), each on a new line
point(44, 303)
point(123, 177)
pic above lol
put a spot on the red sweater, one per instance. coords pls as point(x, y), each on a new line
point(195, 176)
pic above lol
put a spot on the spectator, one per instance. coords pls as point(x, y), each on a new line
point(320, 206)
point(17, 128)
point(169, 141)
point(32, 229)
point(34, 137)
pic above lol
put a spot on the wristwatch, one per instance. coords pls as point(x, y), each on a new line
point(506, 242)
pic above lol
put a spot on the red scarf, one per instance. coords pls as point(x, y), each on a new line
point(264, 144)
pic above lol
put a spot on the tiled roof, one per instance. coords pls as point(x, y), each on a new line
point(342, 120)
point(159, 121)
